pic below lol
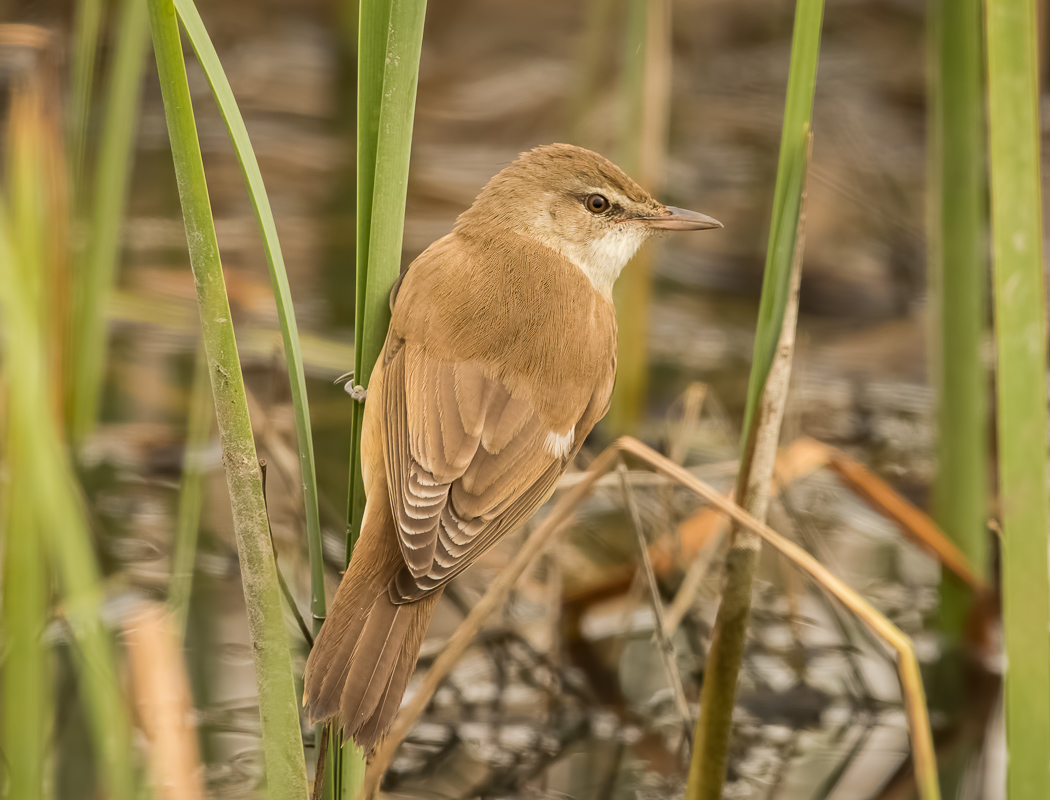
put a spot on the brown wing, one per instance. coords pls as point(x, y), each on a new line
point(466, 461)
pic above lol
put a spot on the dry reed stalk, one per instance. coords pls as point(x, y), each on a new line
point(660, 634)
point(165, 706)
point(562, 512)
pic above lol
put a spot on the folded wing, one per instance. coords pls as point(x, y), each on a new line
point(466, 462)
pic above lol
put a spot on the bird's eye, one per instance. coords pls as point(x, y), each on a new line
point(596, 203)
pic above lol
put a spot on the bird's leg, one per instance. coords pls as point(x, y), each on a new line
point(356, 391)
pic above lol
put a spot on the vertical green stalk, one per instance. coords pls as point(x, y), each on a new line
point(647, 88)
point(390, 186)
point(238, 133)
point(1020, 325)
point(787, 197)
point(390, 40)
point(391, 37)
point(282, 740)
point(373, 27)
point(112, 177)
point(957, 236)
point(761, 422)
point(49, 502)
point(27, 666)
point(591, 67)
point(237, 130)
point(49, 507)
point(187, 524)
point(86, 25)
point(25, 589)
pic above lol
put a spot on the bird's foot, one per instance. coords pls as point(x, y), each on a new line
point(356, 391)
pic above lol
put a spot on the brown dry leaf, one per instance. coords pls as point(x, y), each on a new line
point(915, 524)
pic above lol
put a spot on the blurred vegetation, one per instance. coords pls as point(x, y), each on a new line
point(646, 87)
point(72, 145)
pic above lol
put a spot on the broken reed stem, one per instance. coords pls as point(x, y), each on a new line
point(286, 591)
point(663, 641)
point(561, 514)
point(722, 670)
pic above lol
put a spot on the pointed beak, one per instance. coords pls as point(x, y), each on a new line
point(679, 219)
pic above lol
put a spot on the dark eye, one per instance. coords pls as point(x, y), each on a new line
point(596, 203)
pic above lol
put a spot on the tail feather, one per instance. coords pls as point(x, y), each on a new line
point(363, 657)
point(380, 721)
point(373, 662)
point(327, 670)
point(379, 698)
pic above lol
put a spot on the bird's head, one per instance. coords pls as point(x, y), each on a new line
point(579, 204)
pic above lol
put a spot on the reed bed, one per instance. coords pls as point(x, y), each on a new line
point(68, 167)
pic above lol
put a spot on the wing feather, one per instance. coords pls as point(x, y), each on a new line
point(466, 463)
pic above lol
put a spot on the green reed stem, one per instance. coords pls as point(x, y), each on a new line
point(87, 23)
point(391, 37)
point(776, 315)
point(1020, 325)
point(373, 27)
point(49, 507)
point(27, 670)
point(646, 90)
point(109, 198)
point(281, 736)
point(191, 493)
point(238, 132)
point(958, 285)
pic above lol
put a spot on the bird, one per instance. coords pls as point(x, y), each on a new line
point(499, 359)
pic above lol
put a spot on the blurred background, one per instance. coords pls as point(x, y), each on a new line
point(564, 693)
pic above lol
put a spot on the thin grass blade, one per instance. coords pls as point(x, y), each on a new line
point(55, 513)
point(798, 112)
point(33, 249)
point(27, 667)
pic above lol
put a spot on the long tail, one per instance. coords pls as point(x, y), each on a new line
point(367, 649)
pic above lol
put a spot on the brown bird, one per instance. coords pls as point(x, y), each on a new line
point(499, 360)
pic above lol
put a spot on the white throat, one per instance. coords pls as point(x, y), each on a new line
point(603, 258)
